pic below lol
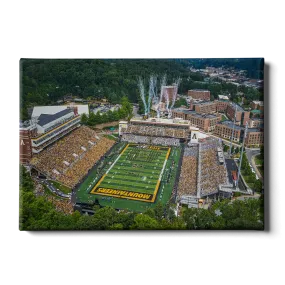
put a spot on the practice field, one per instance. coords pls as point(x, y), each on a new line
point(136, 173)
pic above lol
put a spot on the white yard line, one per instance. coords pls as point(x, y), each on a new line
point(113, 163)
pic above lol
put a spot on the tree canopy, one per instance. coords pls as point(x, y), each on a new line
point(36, 213)
point(45, 81)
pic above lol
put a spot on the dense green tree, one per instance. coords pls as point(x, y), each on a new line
point(180, 102)
point(36, 213)
point(84, 119)
point(45, 81)
point(117, 227)
point(92, 120)
point(98, 118)
point(258, 185)
point(116, 115)
point(150, 212)
point(145, 222)
point(104, 118)
point(159, 211)
point(226, 148)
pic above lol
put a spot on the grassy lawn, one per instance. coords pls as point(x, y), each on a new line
point(247, 179)
point(110, 137)
point(49, 193)
point(60, 187)
point(258, 160)
point(224, 118)
point(261, 170)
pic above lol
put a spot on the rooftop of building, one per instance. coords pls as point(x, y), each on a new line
point(258, 102)
point(239, 108)
point(256, 119)
point(255, 111)
point(163, 121)
point(223, 97)
point(194, 113)
point(255, 130)
point(230, 125)
point(44, 119)
point(38, 110)
point(203, 103)
point(201, 90)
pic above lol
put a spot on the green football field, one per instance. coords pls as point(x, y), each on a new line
point(131, 177)
point(135, 174)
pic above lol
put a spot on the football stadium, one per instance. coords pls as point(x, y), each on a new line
point(152, 160)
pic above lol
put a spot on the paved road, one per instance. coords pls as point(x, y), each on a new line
point(243, 198)
point(231, 166)
point(251, 153)
point(53, 189)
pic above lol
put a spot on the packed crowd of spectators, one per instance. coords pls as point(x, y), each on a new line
point(61, 205)
point(191, 151)
point(135, 139)
point(212, 173)
point(165, 141)
point(69, 159)
point(82, 166)
point(157, 131)
point(188, 175)
point(150, 140)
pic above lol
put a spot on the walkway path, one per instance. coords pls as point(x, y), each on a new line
point(255, 167)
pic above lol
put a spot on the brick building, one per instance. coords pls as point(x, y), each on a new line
point(257, 105)
point(48, 124)
point(205, 107)
point(255, 137)
point(242, 116)
point(200, 94)
point(221, 106)
point(170, 91)
point(224, 130)
point(205, 122)
point(255, 123)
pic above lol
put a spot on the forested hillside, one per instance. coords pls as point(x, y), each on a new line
point(44, 81)
point(36, 213)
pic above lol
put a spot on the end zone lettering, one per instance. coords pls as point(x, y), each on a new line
point(122, 194)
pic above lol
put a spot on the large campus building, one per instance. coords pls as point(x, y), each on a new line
point(205, 107)
point(242, 116)
point(169, 91)
point(47, 125)
point(200, 94)
point(255, 137)
point(255, 123)
point(226, 129)
point(205, 122)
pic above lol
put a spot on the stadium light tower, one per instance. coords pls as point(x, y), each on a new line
point(241, 154)
point(232, 137)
